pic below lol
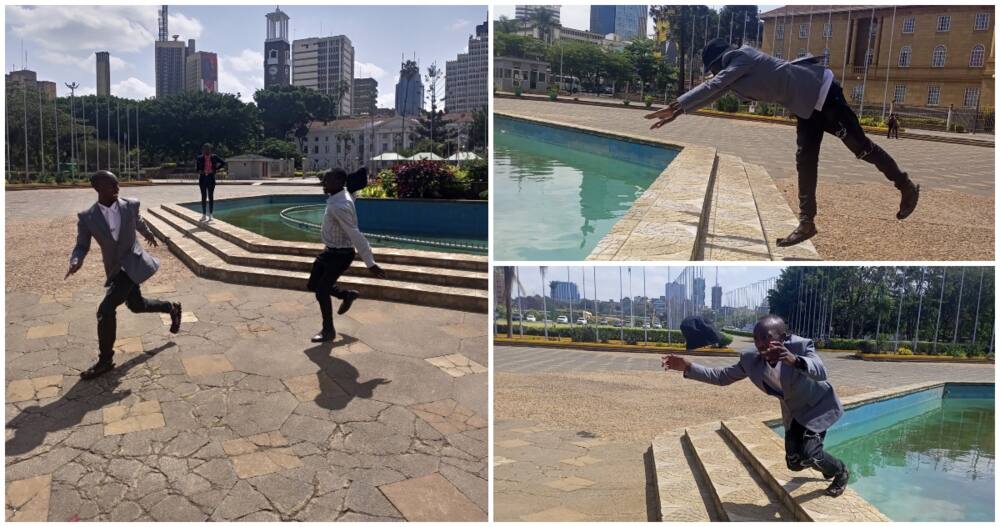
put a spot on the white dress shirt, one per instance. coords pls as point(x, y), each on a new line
point(824, 88)
point(113, 216)
point(340, 227)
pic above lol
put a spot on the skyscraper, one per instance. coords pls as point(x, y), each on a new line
point(170, 60)
point(277, 51)
point(409, 90)
point(325, 64)
point(628, 22)
point(698, 292)
point(716, 297)
point(365, 96)
point(564, 291)
point(103, 73)
point(202, 72)
point(526, 12)
point(466, 80)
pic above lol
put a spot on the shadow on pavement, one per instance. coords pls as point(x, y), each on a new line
point(34, 423)
point(338, 379)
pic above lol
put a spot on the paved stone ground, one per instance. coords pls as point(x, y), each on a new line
point(546, 401)
point(856, 204)
point(238, 416)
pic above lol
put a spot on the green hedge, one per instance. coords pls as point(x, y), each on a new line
point(886, 345)
point(590, 333)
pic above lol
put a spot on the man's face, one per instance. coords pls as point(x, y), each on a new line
point(762, 340)
point(107, 189)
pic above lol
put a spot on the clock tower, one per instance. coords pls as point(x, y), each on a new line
point(277, 51)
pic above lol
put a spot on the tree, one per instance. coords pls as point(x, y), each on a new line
point(286, 111)
point(479, 131)
point(174, 128)
point(544, 20)
point(518, 46)
point(432, 130)
point(279, 149)
point(505, 25)
point(640, 53)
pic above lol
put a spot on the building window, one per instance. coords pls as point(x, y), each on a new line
point(904, 56)
point(909, 23)
point(779, 32)
point(857, 93)
point(826, 56)
point(938, 59)
point(273, 54)
point(977, 57)
point(971, 98)
point(802, 53)
point(933, 95)
point(827, 30)
point(944, 23)
point(803, 30)
point(780, 54)
point(899, 94)
point(982, 21)
point(316, 149)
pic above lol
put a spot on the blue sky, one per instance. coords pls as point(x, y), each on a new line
point(60, 41)
point(730, 277)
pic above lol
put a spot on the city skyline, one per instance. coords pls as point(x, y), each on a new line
point(61, 41)
point(730, 277)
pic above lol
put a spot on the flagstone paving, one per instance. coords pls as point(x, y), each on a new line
point(239, 416)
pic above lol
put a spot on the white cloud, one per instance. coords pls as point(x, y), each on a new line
point(245, 85)
point(86, 63)
point(459, 24)
point(247, 60)
point(72, 28)
point(387, 98)
point(184, 26)
point(132, 88)
point(368, 69)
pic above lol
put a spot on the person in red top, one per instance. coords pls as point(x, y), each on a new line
point(207, 165)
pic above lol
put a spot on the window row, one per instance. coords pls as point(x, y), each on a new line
point(909, 25)
point(970, 100)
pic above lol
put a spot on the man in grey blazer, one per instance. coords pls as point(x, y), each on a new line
point(113, 222)
point(807, 89)
point(787, 367)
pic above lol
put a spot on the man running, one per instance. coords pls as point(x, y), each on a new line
point(808, 90)
point(787, 367)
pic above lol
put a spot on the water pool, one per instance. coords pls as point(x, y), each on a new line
point(924, 456)
point(557, 191)
point(429, 225)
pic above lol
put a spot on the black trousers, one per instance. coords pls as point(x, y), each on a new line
point(326, 270)
point(804, 449)
point(893, 132)
point(121, 290)
point(206, 183)
point(835, 118)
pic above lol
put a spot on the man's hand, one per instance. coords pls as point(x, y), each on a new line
point(777, 352)
point(674, 362)
point(665, 115)
point(377, 271)
point(74, 266)
point(152, 241)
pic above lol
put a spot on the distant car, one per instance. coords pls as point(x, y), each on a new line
point(562, 319)
point(530, 318)
point(607, 90)
point(515, 318)
point(658, 325)
point(617, 324)
point(646, 326)
point(581, 321)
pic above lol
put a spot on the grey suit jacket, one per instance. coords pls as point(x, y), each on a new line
point(806, 395)
point(125, 254)
point(755, 75)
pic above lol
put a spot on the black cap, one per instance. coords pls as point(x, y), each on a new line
point(699, 333)
point(713, 51)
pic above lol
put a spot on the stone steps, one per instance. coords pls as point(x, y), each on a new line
point(681, 494)
point(234, 254)
point(208, 264)
point(737, 492)
point(747, 216)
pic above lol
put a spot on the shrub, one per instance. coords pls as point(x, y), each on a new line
point(576, 98)
point(871, 120)
point(649, 101)
point(517, 91)
point(478, 171)
point(457, 186)
point(553, 93)
point(626, 102)
point(903, 350)
point(728, 103)
point(429, 180)
point(865, 346)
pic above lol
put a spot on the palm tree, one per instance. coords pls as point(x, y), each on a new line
point(508, 285)
point(343, 89)
point(505, 25)
point(543, 18)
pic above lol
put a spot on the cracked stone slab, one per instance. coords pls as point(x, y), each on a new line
point(129, 345)
point(500, 460)
point(556, 514)
point(125, 419)
point(581, 461)
point(261, 454)
point(570, 484)
point(457, 365)
point(431, 498)
point(186, 318)
point(58, 329)
point(33, 389)
point(512, 443)
point(206, 365)
point(28, 499)
point(224, 296)
point(448, 417)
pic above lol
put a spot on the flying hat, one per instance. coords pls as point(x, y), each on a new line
point(699, 333)
point(713, 51)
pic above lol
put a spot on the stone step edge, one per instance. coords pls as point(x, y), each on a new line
point(215, 268)
point(717, 502)
point(738, 161)
point(260, 244)
point(232, 253)
point(800, 513)
point(757, 175)
point(665, 449)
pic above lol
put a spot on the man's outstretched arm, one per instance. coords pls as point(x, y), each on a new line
point(716, 376)
point(709, 91)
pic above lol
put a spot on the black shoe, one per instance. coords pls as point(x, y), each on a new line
point(839, 484)
point(803, 232)
point(352, 295)
point(908, 202)
point(98, 369)
point(175, 317)
point(324, 336)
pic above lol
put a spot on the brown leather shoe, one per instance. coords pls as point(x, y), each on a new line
point(803, 232)
point(98, 369)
